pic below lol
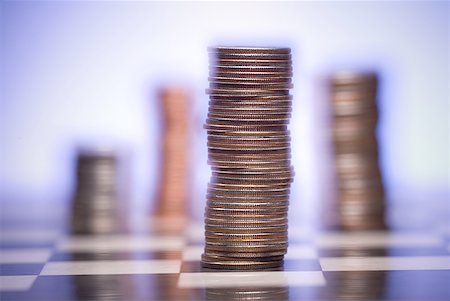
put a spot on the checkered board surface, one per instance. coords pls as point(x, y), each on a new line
point(43, 264)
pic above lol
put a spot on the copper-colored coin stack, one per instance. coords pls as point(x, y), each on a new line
point(173, 187)
point(360, 193)
point(94, 206)
point(249, 154)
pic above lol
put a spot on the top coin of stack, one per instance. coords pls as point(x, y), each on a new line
point(360, 193)
point(249, 154)
point(94, 208)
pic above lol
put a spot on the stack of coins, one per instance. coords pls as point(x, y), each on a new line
point(249, 154)
point(173, 193)
point(94, 203)
point(360, 193)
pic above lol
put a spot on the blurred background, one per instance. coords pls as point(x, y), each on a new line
point(76, 73)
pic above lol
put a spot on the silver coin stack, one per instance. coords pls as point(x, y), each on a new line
point(249, 155)
point(94, 202)
point(360, 193)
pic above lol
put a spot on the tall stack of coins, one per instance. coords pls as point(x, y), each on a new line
point(94, 204)
point(360, 193)
point(173, 187)
point(249, 154)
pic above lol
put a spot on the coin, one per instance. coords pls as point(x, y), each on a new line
point(241, 92)
point(237, 228)
point(250, 111)
point(251, 236)
point(250, 98)
point(248, 221)
point(227, 179)
point(266, 256)
point(253, 79)
point(245, 205)
point(254, 62)
point(256, 172)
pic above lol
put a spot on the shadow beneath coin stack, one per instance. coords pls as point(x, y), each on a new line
point(357, 285)
point(250, 293)
point(251, 284)
point(101, 286)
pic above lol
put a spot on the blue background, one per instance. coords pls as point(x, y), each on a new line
point(83, 72)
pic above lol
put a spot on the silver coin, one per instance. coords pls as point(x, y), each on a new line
point(249, 205)
point(285, 64)
point(220, 86)
point(246, 97)
point(255, 170)
point(240, 79)
point(250, 73)
point(250, 110)
point(237, 118)
point(237, 93)
point(251, 50)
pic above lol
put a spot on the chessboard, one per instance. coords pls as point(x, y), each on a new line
point(43, 263)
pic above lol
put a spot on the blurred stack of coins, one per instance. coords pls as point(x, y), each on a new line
point(173, 193)
point(94, 204)
point(360, 193)
point(249, 154)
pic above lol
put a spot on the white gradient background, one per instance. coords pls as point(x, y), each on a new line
point(82, 71)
